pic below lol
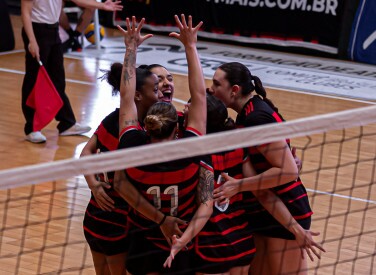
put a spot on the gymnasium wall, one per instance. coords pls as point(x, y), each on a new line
point(315, 27)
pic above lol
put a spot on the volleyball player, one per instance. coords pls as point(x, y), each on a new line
point(233, 84)
point(225, 244)
point(172, 196)
point(165, 81)
point(106, 214)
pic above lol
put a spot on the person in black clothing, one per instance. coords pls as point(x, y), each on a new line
point(84, 20)
point(184, 186)
point(274, 164)
point(105, 221)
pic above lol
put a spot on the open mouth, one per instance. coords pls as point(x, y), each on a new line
point(167, 96)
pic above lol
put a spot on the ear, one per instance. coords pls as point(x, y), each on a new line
point(235, 90)
point(137, 96)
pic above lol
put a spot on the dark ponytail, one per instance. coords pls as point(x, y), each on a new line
point(113, 77)
point(239, 74)
point(260, 90)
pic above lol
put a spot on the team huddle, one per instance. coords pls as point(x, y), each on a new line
point(243, 211)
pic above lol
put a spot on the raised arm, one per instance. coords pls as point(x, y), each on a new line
point(132, 39)
point(188, 37)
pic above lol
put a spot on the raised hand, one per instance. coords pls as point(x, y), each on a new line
point(112, 6)
point(188, 33)
point(132, 36)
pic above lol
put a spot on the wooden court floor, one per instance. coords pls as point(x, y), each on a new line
point(37, 221)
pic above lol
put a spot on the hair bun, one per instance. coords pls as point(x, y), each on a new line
point(153, 123)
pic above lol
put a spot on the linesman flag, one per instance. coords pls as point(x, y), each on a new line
point(44, 99)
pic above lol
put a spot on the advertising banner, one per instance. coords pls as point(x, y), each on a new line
point(362, 46)
point(310, 24)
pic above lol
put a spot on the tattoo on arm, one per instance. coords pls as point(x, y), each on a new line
point(130, 122)
point(129, 65)
point(205, 186)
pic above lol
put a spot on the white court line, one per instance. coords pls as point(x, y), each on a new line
point(340, 196)
point(183, 102)
point(66, 80)
point(12, 52)
point(322, 95)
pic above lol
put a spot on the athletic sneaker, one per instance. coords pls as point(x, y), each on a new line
point(76, 129)
point(36, 137)
point(75, 44)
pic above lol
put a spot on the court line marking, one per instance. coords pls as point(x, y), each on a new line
point(183, 102)
point(340, 196)
point(322, 95)
point(11, 52)
point(66, 80)
point(354, 99)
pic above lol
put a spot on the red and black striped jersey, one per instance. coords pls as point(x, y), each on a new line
point(257, 112)
point(227, 236)
point(105, 225)
point(181, 119)
point(169, 186)
point(107, 138)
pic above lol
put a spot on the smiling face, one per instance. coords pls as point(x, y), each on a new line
point(165, 83)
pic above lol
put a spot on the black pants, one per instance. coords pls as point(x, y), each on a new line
point(51, 55)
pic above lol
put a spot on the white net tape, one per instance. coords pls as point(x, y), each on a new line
point(121, 159)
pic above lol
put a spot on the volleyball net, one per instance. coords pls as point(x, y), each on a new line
point(42, 206)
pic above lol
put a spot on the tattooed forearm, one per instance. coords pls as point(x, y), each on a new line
point(205, 186)
point(129, 65)
point(130, 122)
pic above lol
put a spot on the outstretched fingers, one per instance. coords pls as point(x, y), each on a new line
point(185, 27)
point(311, 245)
point(132, 34)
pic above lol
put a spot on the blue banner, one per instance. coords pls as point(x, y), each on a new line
point(362, 45)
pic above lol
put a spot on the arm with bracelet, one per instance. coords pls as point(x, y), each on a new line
point(168, 224)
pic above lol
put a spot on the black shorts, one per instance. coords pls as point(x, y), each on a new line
point(218, 255)
point(144, 257)
point(264, 224)
point(108, 248)
point(221, 267)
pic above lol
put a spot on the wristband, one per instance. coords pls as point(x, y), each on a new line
point(163, 220)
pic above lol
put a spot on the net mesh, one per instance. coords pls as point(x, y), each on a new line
point(42, 206)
